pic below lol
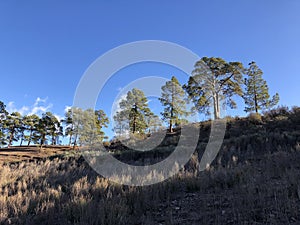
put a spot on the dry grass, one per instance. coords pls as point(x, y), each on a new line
point(23, 153)
point(68, 191)
point(255, 179)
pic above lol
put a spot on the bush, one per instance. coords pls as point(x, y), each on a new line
point(255, 118)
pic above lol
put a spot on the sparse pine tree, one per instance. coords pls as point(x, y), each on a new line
point(21, 130)
point(120, 124)
point(256, 95)
point(173, 100)
point(12, 126)
point(214, 80)
point(101, 121)
point(3, 114)
point(48, 125)
point(90, 130)
point(133, 109)
point(69, 127)
point(154, 123)
point(30, 123)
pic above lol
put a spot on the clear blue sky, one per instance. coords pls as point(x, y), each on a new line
point(45, 46)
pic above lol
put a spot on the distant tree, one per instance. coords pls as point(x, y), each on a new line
point(54, 128)
point(256, 95)
point(30, 122)
point(90, 129)
point(214, 80)
point(41, 131)
point(12, 126)
point(173, 100)
point(101, 121)
point(120, 124)
point(77, 123)
point(153, 123)
point(21, 130)
point(69, 128)
point(133, 109)
point(48, 126)
point(3, 114)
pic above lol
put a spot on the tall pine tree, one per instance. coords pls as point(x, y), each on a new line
point(214, 80)
point(256, 95)
point(12, 125)
point(134, 109)
point(173, 100)
point(3, 114)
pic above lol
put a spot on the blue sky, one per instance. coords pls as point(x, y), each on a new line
point(45, 46)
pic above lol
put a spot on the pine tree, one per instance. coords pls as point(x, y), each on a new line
point(30, 123)
point(133, 110)
point(172, 99)
point(21, 130)
point(120, 124)
point(90, 130)
point(101, 121)
point(214, 80)
point(69, 127)
point(256, 95)
point(154, 123)
point(48, 126)
point(3, 114)
point(12, 126)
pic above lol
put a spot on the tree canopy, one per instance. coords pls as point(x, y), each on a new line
point(256, 95)
point(214, 81)
point(173, 101)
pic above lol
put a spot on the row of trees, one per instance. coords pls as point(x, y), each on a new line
point(214, 82)
point(79, 125)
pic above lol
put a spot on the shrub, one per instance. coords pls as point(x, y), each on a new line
point(255, 118)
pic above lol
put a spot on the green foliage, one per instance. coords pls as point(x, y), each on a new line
point(154, 123)
point(172, 99)
point(214, 82)
point(87, 126)
point(11, 125)
point(133, 113)
point(3, 114)
point(257, 96)
point(48, 126)
point(30, 123)
point(68, 121)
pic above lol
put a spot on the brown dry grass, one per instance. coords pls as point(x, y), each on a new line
point(23, 153)
point(68, 191)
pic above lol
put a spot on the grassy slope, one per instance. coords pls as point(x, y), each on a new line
point(261, 187)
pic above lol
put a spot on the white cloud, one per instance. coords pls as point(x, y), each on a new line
point(116, 105)
point(39, 106)
point(67, 107)
point(12, 108)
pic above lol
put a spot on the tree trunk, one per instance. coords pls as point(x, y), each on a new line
point(171, 126)
point(43, 139)
point(70, 140)
point(134, 118)
point(75, 141)
point(53, 142)
point(10, 139)
point(216, 106)
point(22, 137)
point(171, 121)
point(30, 135)
point(255, 102)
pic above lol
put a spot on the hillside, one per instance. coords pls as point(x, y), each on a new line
point(255, 179)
